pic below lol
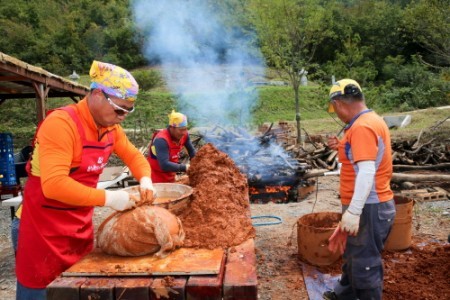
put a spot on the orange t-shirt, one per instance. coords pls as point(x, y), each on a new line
point(366, 138)
point(58, 150)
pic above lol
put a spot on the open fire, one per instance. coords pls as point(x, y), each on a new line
point(276, 194)
point(272, 175)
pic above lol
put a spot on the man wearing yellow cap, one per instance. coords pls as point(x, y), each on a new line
point(165, 149)
point(72, 147)
point(367, 199)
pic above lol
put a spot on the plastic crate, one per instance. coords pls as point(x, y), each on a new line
point(7, 167)
point(6, 141)
point(8, 174)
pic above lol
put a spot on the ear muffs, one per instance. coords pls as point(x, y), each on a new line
point(351, 89)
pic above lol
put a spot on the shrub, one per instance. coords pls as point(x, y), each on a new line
point(147, 79)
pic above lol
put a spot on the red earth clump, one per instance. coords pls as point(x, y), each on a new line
point(219, 213)
point(422, 272)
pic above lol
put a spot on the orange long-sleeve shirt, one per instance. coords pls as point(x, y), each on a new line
point(58, 150)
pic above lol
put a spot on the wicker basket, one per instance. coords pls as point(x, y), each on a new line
point(172, 196)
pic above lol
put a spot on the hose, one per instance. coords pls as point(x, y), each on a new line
point(267, 223)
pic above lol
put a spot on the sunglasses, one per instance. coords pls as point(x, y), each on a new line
point(120, 111)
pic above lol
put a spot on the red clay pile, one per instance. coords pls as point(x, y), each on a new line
point(219, 213)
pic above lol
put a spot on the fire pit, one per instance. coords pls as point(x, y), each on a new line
point(272, 175)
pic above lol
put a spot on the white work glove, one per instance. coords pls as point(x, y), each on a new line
point(187, 167)
point(147, 190)
point(118, 200)
point(350, 223)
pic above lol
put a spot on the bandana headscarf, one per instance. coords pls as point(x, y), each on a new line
point(177, 119)
point(113, 80)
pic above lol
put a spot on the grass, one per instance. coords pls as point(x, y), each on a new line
point(275, 103)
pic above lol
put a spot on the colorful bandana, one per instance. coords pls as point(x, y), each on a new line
point(177, 119)
point(113, 80)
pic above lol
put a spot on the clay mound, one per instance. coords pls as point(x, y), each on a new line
point(140, 231)
point(219, 213)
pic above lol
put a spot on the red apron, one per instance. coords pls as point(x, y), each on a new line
point(54, 235)
point(158, 175)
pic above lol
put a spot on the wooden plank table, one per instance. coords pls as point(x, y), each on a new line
point(236, 280)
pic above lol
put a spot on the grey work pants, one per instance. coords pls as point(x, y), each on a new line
point(362, 271)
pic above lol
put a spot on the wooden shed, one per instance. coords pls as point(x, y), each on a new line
point(19, 80)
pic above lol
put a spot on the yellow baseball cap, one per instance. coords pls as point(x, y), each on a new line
point(113, 80)
point(343, 87)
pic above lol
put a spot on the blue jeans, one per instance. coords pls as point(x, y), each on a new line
point(24, 293)
point(15, 232)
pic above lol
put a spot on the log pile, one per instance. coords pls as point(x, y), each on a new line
point(420, 154)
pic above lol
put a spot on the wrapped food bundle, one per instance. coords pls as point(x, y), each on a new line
point(141, 231)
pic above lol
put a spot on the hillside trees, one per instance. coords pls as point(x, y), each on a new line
point(377, 42)
point(62, 36)
point(428, 22)
point(290, 32)
point(364, 34)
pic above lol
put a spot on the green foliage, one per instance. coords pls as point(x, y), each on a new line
point(147, 79)
point(413, 87)
point(62, 36)
point(152, 109)
point(398, 51)
point(353, 62)
point(428, 22)
point(278, 103)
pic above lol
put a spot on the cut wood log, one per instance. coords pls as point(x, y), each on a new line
point(332, 156)
point(429, 167)
point(399, 177)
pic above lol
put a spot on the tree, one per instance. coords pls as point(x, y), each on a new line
point(428, 21)
point(289, 33)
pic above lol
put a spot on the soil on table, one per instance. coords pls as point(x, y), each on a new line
point(219, 212)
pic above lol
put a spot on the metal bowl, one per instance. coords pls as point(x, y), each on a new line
point(172, 196)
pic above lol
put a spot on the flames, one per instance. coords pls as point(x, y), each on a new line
point(269, 189)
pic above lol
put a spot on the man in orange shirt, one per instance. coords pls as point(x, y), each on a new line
point(73, 145)
point(366, 197)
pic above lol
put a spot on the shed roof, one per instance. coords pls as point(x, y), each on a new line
point(19, 80)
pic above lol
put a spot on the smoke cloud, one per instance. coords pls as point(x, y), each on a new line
point(203, 62)
point(207, 66)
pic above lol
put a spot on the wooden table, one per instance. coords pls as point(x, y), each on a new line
point(236, 280)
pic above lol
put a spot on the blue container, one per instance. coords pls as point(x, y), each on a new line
point(7, 167)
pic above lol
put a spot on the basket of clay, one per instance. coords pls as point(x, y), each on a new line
point(172, 196)
point(313, 232)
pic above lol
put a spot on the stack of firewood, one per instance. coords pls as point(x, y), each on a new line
point(411, 152)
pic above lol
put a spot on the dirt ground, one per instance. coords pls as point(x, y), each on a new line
point(279, 267)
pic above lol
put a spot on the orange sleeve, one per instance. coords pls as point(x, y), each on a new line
point(364, 141)
point(59, 150)
point(130, 155)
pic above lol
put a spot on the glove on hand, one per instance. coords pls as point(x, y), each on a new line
point(187, 167)
point(350, 223)
point(147, 190)
point(338, 240)
point(118, 200)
